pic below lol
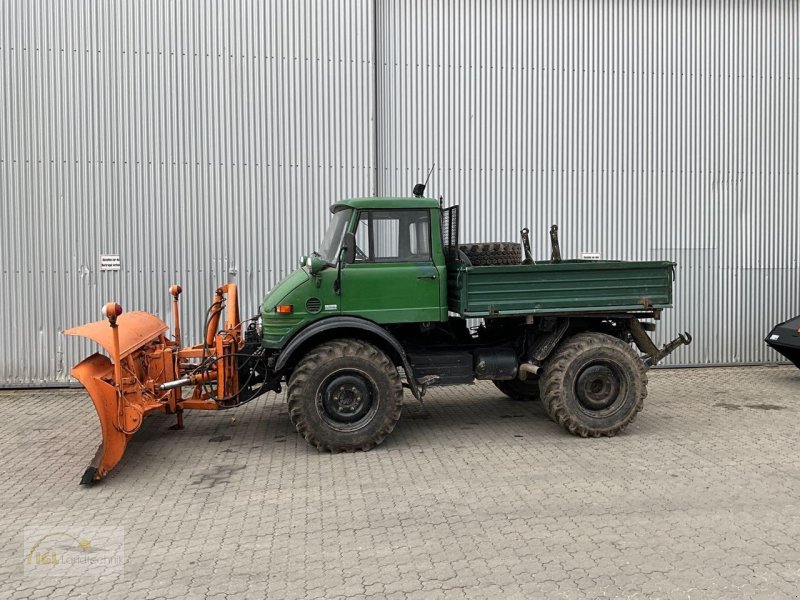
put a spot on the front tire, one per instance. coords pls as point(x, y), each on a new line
point(593, 385)
point(345, 395)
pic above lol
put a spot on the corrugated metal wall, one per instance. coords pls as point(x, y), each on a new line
point(202, 142)
point(646, 130)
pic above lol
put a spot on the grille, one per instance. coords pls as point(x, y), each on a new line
point(313, 305)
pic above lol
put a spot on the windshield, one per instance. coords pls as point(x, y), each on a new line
point(332, 240)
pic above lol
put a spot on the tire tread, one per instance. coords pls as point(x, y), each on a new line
point(552, 381)
point(298, 384)
point(493, 253)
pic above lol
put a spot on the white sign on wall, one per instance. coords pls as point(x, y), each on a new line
point(109, 262)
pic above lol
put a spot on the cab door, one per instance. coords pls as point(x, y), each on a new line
point(393, 278)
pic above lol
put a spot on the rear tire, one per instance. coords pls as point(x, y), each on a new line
point(345, 395)
point(494, 253)
point(517, 389)
point(593, 385)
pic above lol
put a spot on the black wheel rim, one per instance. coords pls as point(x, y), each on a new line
point(347, 400)
point(598, 386)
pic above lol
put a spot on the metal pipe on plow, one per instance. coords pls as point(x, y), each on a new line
point(171, 385)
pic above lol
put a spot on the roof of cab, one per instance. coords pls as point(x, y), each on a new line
point(386, 202)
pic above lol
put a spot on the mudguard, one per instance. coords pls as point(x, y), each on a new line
point(351, 323)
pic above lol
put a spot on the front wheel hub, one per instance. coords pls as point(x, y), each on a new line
point(597, 387)
point(347, 398)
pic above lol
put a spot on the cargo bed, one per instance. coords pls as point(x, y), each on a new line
point(571, 286)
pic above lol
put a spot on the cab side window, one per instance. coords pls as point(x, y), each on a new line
point(401, 235)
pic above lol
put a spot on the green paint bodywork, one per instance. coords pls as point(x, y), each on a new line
point(393, 292)
point(571, 286)
point(296, 290)
point(415, 292)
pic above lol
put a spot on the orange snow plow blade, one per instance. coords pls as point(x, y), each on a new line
point(120, 414)
point(118, 422)
point(147, 372)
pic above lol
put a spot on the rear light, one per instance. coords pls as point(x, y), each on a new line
point(284, 309)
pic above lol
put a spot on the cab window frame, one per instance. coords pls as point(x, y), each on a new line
point(368, 215)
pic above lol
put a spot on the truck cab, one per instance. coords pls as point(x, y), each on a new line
point(397, 274)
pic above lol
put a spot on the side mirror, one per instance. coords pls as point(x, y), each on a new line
point(349, 248)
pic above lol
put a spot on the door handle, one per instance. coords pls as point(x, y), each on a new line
point(426, 276)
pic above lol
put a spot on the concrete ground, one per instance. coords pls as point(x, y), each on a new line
point(473, 495)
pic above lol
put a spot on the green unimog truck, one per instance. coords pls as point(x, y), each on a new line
point(386, 302)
